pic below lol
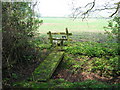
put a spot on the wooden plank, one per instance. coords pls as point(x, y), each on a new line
point(57, 33)
point(60, 33)
point(58, 38)
point(45, 70)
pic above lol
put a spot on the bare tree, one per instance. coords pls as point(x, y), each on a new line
point(84, 11)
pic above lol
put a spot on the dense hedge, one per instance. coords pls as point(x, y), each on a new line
point(18, 28)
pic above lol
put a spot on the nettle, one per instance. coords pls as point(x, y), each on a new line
point(92, 49)
point(105, 66)
point(104, 57)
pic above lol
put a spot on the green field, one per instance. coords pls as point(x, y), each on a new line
point(77, 25)
point(88, 29)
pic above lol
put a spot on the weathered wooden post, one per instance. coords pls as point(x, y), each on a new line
point(50, 36)
point(67, 32)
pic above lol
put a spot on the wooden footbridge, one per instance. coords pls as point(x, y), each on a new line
point(45, 70)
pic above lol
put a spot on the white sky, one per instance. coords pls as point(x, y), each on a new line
point(54, 8)
point(61, 8)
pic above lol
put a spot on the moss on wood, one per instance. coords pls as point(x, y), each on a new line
point(45, 70)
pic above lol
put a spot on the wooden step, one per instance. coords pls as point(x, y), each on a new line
point(45, 70)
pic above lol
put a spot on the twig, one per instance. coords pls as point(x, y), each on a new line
point(118, 6)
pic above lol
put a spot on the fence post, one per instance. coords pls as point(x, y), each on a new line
point(50, 36)
point(67, 33)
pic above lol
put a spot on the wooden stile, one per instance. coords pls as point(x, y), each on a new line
point(59, 39)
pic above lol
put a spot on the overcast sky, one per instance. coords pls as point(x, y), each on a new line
point(61, 8)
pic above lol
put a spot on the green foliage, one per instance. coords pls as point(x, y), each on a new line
point(44, 46)
point(107, 67)
point(18, 29)
point(14, 75)
point(92, 49)
point(61, 83)
point(74, 63)
point(100, 86)
point(68, 61)
point(104, 58)
point(113, 29)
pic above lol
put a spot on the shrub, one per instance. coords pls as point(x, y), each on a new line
point(18, 28)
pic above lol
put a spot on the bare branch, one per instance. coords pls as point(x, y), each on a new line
point(90, 3)
point(87, 12)
point(118, 6)
point(104, 9)
point(92, 7)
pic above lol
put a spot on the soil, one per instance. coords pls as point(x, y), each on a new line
point(82, 76)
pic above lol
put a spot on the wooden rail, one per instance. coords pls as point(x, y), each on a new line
point(62, 33)
point(59, 38)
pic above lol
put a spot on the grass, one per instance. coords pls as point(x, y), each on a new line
point(74, 26)
point(61, 83)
